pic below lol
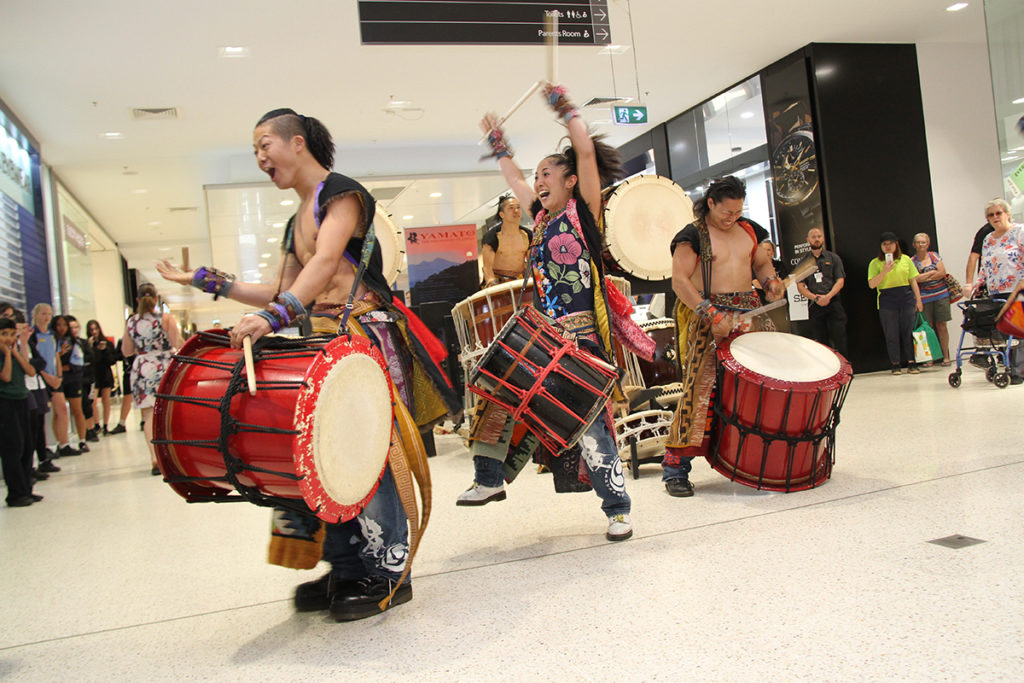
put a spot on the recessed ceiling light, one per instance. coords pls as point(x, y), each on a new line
point(277, 225)
point(407, 218)
point(262, 265)
point(747, 115)
point(287, 202)
point(233, 51)
point(113, 135)
point(140, 190)
point(267, 255)
point(1019, 100)
point(153, 223)
point(956, 7)
point(271, 240)
point(164, 249)
point(435, 195)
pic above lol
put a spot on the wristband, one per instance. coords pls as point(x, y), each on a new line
point(556, 96)
point(282, 311)
point(270, 318)
point(705, 309)
point(499, 145)
point(213, 281)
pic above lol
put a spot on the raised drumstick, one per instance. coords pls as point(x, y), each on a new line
point(551, 38)
point(526, 95)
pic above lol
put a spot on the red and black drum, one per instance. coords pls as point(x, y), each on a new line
point(543, 379)
point(778, 402)
point(314, 438)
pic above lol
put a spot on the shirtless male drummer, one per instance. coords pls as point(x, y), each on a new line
point(504, 246)
point(322, 245)
point(712, 260)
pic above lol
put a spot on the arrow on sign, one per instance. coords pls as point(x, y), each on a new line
point(637, 115)
point(602, 33)
point(600, 14)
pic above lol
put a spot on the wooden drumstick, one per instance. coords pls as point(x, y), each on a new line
point(250, 370)
point(526, 95)
point(551, 38)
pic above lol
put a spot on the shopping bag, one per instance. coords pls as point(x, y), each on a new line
point(930, 341)
point(922, 353)
point(956, 292)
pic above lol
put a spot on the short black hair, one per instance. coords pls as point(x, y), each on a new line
point(8, 324)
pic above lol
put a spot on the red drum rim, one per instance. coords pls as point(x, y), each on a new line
point(319, 493)
point(801, 346)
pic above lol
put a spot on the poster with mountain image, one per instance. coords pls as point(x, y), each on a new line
point(442, 263)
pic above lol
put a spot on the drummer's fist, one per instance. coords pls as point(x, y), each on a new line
point(254, 326)
point(722, 325)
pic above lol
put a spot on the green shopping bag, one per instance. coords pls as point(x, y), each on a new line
point(926, 342)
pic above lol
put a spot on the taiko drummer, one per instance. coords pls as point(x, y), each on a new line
point(503, 248)
point(322, 245)
point(565, 261)
point(712, 260)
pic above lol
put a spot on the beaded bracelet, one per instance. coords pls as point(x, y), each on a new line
point(282, 311)
point(213, 281)
point(561, 104)
point(499, 145)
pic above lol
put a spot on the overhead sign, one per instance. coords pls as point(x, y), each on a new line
point(629, 115)
point(460, 22)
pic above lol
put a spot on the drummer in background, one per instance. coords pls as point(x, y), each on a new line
point(323, 242)
point(504, 246)
point(712, 259)
point(565, 258)
point(826, 321)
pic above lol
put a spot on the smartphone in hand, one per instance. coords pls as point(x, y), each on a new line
point(888, 259)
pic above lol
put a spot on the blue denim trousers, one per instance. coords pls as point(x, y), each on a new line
point(601, 458)
point(374, 543)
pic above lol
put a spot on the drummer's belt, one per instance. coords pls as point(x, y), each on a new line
point(507, 275)
point(407, 458)
point(696, 350)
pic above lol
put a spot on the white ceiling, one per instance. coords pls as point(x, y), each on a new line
point(72, 71)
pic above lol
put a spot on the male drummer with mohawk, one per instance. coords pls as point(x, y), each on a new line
point(712, 259)
point(322, 247)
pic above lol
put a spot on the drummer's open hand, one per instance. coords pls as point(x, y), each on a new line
point(489, 122)
point(249, 326)
point(171, 272)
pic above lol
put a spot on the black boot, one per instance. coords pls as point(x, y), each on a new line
point(361, 601)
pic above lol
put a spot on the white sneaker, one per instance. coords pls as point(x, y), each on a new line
point(619, 528)
point(481, 495)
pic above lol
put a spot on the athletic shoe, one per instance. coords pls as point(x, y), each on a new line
point(481, 495)
point(65, 451)
point(913, 369)
point(119, 429)
point(82, 448)
point(619, 528)
point(47, 466)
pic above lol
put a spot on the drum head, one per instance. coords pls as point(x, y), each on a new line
point(392, 246)
point(344, 417)
point(641, 217)
point(783, 357)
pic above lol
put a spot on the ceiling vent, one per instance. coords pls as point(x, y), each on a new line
point(183, 209)
point(383, 194)
point(155, 114)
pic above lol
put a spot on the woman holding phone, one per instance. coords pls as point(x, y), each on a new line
point(894, 275)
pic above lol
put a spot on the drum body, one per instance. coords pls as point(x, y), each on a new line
point(392, 243)
point(543, 379)
point(479, 318)
point(314, 438)
point(641, 216)
point(778, 402)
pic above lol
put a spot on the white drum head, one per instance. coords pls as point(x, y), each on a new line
point(352, 428)
point(641, 217)
point(786, 357)
point(392, 245)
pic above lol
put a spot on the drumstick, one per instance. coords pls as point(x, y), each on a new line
point(526, 95)
point(802, 271)
point(250, 371)
point(551, 24)
point(764, 309)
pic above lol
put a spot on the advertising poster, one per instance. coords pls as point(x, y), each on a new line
point(442, 263)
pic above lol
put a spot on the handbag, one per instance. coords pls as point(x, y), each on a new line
point(956, 292)
point(926, 342)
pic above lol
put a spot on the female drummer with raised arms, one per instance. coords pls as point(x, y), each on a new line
point(323, 242)
point(564, 258)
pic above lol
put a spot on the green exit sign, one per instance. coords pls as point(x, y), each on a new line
point(629, 115)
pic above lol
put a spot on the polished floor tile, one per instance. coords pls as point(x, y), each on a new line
point(114, 577)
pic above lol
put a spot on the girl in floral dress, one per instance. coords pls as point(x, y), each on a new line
point(565, 259)
point(152, 339)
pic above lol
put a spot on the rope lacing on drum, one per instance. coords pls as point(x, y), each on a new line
point(265, 348)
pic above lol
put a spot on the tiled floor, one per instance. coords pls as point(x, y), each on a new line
point(114, 577)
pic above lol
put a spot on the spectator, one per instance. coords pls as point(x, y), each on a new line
point(826, 322)
point(894, 275)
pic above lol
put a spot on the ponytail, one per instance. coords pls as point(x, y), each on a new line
point(147, 299)
point(609, 163)
point(727, 187)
